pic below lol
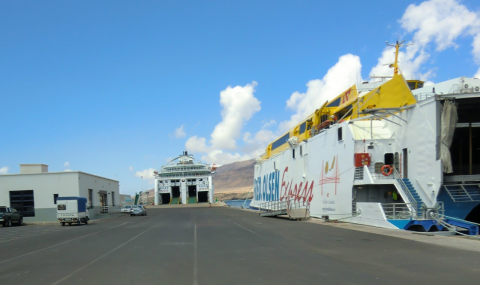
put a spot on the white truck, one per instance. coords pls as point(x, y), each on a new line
point(72, 210)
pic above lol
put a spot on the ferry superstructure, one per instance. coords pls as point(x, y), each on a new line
point(391, 154)
point(184, 180)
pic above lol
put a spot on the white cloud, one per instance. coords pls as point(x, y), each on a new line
point(268, 124)
point(146, 174)
point(438, 22)
point(220, 157)
point(238, 106)
point(342, 75)
point(4, 170)
point(130, 168)
point(66, 166)
point(195, 144)
point(179, 132)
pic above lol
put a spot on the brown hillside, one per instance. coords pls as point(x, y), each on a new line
point(234, 176)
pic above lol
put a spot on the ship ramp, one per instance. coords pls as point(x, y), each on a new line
point(192, 200)
point(175, 200)
point(294, 208)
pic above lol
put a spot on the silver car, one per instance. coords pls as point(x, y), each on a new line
point(126, 209)
point(138, 210)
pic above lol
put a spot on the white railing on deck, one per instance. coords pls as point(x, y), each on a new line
point(397, 211)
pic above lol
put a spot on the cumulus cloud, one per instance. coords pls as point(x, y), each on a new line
point(195, 144)
point(342, 75)
point(268, 124)
point(179, 132)
point(146, 174)
point(4, 170)
point(238, 106)
point(437, 24)
point(66, 166)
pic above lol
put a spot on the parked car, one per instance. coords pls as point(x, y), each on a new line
point(138, 210)
point(126, 209)
point(8, 216)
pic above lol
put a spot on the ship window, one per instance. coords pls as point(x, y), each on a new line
point(324, 118)
point(389, 159)
point(340, 134)
point(302, 127)
point(55, 196)
point(411, 85)
point(293, 152)
point(301, 150)
point(335, 103)
point(280, 141)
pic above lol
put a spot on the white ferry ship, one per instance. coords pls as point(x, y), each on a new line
point(184, 180)
point(391, 154)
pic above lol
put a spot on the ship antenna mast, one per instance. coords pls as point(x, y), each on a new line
point(397, 46)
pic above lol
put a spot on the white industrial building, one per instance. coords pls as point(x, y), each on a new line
point(34, 191)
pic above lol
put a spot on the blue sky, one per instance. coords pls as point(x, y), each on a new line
point(116, 88)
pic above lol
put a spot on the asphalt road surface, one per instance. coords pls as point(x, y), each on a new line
point(223, 246)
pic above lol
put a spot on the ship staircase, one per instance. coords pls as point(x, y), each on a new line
point(421, 216)
point(295, 208)
point(413, 202)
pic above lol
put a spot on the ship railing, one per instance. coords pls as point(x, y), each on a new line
point(286, 205)
point(424, 96)
point(180, 169)
point(463, 192)
point(182, 174)
point(298, 203)
point(273, 206)
point(398, 211)
point(398, 178)
point(407, 192)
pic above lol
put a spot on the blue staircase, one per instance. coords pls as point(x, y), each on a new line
point(414, 194)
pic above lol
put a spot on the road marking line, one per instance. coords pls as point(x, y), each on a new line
point(98, 258)
point(247, 229)
point(195, 267)
point(30, 253)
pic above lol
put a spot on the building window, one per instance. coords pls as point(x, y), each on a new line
point(340, 134)
point(90, 197)
point(55, 196)
point(113, 198)
point(23, 201)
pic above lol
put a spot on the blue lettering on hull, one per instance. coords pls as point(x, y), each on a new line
point(267, 188)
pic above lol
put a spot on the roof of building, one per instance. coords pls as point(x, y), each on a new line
point(59, 172)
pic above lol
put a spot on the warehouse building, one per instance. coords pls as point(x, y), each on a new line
point(34, 191)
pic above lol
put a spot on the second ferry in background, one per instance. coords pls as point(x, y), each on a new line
point(391, 154)
point(184, 180)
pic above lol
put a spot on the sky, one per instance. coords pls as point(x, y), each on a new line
point(119, 88)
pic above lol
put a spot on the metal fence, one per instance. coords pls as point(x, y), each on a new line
point(398, 211)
